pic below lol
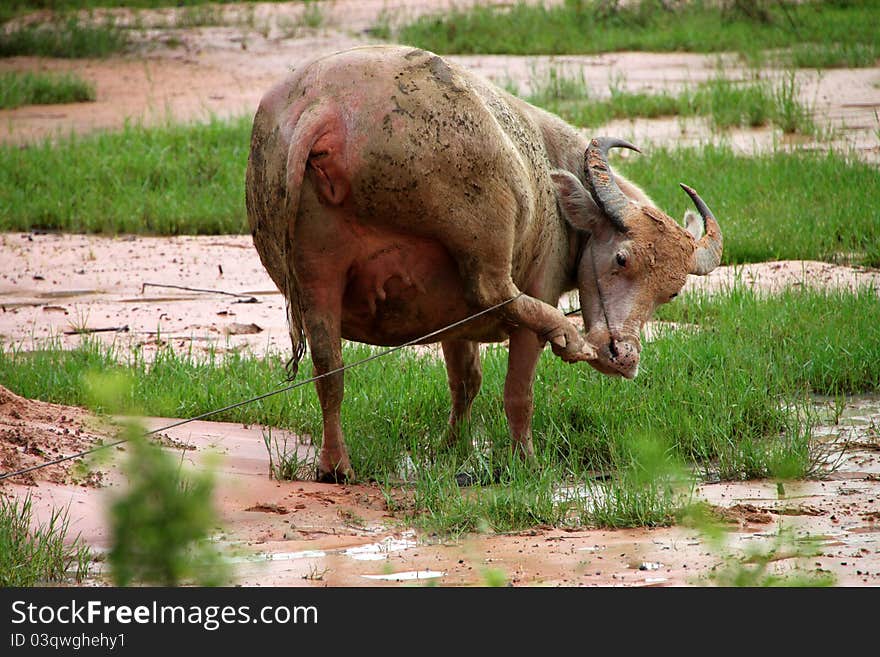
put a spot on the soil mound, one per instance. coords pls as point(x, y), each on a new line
point(35, 432)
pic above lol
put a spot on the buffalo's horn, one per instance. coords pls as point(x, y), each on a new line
point(707, 255)
point(606, 193)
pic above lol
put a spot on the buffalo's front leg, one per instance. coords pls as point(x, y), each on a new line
point(487, 286)
point(322, 327)
point(524, 352)
point(465, 376)
point(551, 326)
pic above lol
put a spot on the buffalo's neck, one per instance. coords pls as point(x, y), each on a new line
point(556, 257)
point(550, 266)
point(564, 144)
point(565, 147)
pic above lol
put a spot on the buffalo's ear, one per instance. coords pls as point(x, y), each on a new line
point(577, 205)
point(694, 224)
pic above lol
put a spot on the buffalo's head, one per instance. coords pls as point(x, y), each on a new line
point(634, 258)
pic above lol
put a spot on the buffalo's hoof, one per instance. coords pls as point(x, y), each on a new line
point(334, 476)
point(482, 478)
point(567, 343)
point(578, 353)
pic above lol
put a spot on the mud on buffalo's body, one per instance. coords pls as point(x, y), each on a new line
point(390, 192)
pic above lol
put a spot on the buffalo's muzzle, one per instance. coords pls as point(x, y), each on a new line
point(618, 358)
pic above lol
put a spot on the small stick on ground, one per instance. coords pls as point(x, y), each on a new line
point(243, 298)
point(108, 329)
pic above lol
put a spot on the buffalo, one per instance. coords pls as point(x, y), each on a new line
point(391, 192)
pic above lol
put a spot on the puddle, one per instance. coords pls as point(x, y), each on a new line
point(407, 576)
point(587, 495)
point(850, 447)
point(860, 412)
point(381, 550)
point(650, 565)
point(291, 556)
point(66, 294)
point(378, 551)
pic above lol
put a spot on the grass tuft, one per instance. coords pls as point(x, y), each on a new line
point(17, 89)
point(727, 103)
point(286, 464)
point(64, 36)
point(32, 554)
point(838, 31)
point(313, 16)
point(161, 525)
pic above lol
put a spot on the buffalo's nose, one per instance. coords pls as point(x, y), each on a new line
point(624, 357)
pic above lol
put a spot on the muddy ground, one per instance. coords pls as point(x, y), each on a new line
point(302, 533)
point(308, 534)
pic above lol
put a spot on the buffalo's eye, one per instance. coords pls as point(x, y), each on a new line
point(673, 296)
point(621, 259)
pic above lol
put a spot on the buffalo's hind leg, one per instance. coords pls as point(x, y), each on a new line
point(323, 330)
point(465, 375)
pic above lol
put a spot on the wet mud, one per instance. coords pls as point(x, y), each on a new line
point(303, 533)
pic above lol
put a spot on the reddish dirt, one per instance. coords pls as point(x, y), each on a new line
point(53, 285)
point(302, 533)
point(308, 534)
point(34, 432)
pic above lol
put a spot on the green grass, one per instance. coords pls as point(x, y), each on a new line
point(14, 8)
point(718, 400)
point(17, 89)
point(312, 14)
point(64, 36)
point(818, 341)
point(727, 103)
point(817, 55)
point(33, 554)
point(833, 55)
point(797, 205)
point(754, 103)
point(167, 180)
point(68, 34)
point(590, 26)
point(570, 97)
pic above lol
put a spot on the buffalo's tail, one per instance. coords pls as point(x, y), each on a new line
point(276, 167)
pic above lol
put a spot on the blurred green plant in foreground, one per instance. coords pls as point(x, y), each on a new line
point(161, 524)
point(755, 568)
